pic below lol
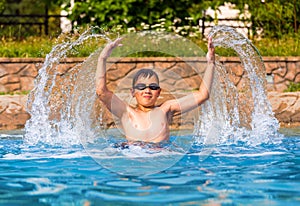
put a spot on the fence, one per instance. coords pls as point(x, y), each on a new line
point(45, 24)
point(38, 24)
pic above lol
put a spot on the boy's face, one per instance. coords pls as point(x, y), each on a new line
point(146, 97)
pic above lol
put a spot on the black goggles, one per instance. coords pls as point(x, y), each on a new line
point(152, 86)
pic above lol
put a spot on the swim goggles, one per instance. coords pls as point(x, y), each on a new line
point(152, 86)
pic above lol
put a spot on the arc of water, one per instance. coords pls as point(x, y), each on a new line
point(40, 126)
point(263, 123)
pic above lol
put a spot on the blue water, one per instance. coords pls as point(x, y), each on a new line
point(233, 174)
point(232, 157)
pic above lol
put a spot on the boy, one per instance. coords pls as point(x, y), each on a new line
point(148, 122)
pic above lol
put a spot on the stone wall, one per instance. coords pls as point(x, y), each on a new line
point(286, 107)
point(13, 113)
point(18, 75)
point(281, 71)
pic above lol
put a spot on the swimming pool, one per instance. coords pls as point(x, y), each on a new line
point(233, 174)
point(233, 156)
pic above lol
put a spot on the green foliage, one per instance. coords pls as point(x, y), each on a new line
point(274, 18)
point(293, 87)
point(2, 6)
point(29, 7)
point(28, 47)
point(157, 44)
point(41, 46)
point(138, 14)
point(32, 6)
point(287, 45)
point(15, 93)
point(270, 18)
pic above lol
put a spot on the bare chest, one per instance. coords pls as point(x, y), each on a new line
point(149, 126)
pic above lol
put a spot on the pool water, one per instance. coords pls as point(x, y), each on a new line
point(233, 174)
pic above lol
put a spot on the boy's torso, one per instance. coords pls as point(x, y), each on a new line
point(151, 126)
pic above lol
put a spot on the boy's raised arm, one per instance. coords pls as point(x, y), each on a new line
point(193, 100)
point(209, 72)
point(111, 101)
point(101, 65)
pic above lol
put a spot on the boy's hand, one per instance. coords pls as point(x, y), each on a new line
point(210, 57)
point(106, 52)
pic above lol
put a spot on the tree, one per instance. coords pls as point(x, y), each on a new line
point(274, 17)
point(136, 13)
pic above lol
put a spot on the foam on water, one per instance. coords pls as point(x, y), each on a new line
point(261, 154)
point(57, 154)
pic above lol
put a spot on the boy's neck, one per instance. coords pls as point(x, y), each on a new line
point(145, 109)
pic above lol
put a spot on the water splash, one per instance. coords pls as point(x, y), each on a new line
point(63, 105)
point(50, 102)
point(243, 110)
point(64, 111)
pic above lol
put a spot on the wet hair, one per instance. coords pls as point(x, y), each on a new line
point(145, 73)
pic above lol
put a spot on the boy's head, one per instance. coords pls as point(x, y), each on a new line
point(145, 87)
point(144, 73)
